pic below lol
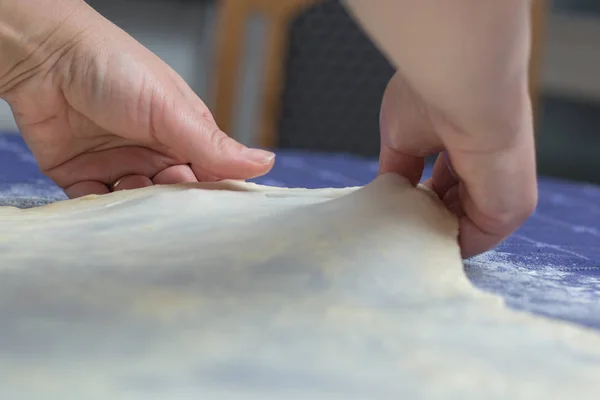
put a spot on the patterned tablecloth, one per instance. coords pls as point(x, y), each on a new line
point(549, 267)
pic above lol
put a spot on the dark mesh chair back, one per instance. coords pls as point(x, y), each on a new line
point(335, 78)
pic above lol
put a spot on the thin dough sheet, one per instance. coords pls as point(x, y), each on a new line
point(238, 291)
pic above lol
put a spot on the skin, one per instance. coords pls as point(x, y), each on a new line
point(100, 112)
point(463, 92)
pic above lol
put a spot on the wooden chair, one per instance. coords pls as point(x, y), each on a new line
point(232, 18)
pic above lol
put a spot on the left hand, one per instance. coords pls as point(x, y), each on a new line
point(103, 113)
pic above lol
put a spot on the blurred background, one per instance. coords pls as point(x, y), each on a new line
point(299, 74)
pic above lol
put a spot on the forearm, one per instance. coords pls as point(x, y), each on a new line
point(30, 32)
point(468, 57)
point(476, 39)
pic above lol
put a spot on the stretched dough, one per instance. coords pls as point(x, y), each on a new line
point(252, 292)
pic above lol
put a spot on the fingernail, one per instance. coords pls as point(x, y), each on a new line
point(258, 156)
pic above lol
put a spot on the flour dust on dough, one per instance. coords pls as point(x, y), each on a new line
point(239, 291)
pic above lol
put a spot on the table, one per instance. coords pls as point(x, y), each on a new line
point(549, 267)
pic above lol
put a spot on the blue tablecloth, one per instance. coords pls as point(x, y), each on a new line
point(549, 267)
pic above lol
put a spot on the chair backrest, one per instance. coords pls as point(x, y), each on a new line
point(333, 84)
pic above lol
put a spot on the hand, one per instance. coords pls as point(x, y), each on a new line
point(461, 89)
point(103, 113)
point(486, 173)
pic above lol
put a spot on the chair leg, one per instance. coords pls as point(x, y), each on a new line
point(232, 16)
point(280, 15)
point(273, 81)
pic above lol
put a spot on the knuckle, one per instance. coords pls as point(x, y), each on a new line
point(507, 219)
point(219, 140)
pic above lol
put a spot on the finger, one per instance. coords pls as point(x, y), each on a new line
point(174, 175)
point(502, 200)
point(452, 200)
point(195, 137)
point(442, 176)
point(473, 240)
point(394, 161)
point(190, 96)
point(85, 188)
point(407, 135)
point(131, 182)
point(445, 184)
point(498, 192)
point(108, 166)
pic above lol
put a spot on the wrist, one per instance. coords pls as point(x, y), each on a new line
point(32, 32)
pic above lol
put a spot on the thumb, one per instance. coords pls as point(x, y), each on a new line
point(192, 134)
point(407, 135)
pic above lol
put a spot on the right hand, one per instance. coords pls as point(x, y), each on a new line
point(475, 110)
point(461, 89)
